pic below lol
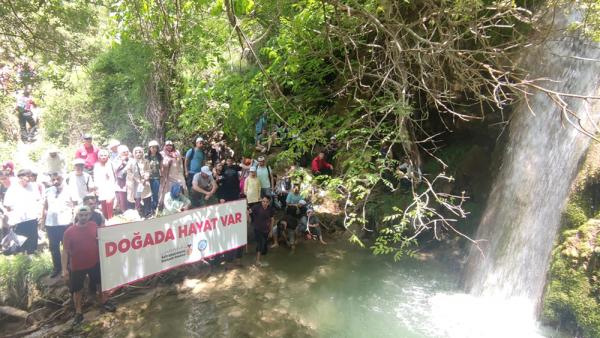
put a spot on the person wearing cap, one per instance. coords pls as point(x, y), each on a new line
point(138, 185)
point(154, 163)
point(252, 188)
point(113, 146)
point(194, 160)
point(80, 258)
point(88, 153)
point(23, 202)
point(104, 175)
point(204, 188)
point(310, 224)
point(56, 216)
point(78, 182)
point(172, 169)
point(265, 176)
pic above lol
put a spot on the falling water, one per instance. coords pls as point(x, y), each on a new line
point(540, 163)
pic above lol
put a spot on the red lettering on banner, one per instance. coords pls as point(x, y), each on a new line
point(148, 240)
point(198, 226)
point(110, 248)
point(136, 241)
point(238, 217)
point(159, 237)
point(124, 245)
point(182, 231)
point(170, 236)
point(213, 222)
point(207, 226)
point(192, 229)
point(227, 220)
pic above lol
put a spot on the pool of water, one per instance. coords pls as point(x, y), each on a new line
point(329, 291)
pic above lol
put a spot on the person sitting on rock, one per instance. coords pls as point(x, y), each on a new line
point(80, 258)
point(320, 166)
point(311, 226)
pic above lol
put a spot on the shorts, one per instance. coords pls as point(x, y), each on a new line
point(77, 279)
point(262, 241)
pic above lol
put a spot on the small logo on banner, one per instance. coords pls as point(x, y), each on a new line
point(202, 245)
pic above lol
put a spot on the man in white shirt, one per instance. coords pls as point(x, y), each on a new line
point(57, 216)
point(23, 202)
point(79, 183)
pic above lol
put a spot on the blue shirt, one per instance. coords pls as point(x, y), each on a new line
point(293, 198)
point(196, 162)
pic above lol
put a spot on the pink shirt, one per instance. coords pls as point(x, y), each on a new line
point(88, 154)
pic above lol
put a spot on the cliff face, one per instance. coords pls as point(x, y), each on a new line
point(572, 297)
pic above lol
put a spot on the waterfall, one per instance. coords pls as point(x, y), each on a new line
point(543, 153)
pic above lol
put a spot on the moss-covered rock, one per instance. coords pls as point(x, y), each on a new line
point(572, 298)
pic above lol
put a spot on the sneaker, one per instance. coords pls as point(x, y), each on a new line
point(262, 264)
point(78, 319)
point(54, 274)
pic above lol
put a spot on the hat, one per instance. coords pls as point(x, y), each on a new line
point(83, 208)
point(261, 158)
point(78, 161)
point(86, 136)
point(122, 148)
point(252, 169)
point(89, 197)
point(23, 172)
point(52, 150)
point(113, 143)
point(168, 142)
point(199, 139)
point(153, 143)
point(206, 170)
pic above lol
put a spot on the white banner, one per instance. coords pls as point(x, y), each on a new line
point(132, 251)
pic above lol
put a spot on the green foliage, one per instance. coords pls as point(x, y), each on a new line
point(21, 272)
point(56, 31)
point(118, 90)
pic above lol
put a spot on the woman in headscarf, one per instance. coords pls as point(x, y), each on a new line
point(172, 167)
point(175, 200)
point(104, 177)
point(137, 182)
point(120, 165)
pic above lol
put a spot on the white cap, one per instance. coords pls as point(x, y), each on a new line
point(252, 169)
point(206, 170)
point(113, 143)
point(153, 143)
point(199, 139)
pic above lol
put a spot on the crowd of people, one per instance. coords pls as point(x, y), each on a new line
point(70, 196)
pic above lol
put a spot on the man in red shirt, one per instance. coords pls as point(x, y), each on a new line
point(80, 254)
point(88, 152)
point(320, 166)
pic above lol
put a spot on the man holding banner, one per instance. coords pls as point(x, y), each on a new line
point(80, 254)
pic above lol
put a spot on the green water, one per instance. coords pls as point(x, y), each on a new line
point(319, 291)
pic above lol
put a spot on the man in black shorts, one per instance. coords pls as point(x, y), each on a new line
point(80, 254)
point(262, 221)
